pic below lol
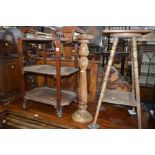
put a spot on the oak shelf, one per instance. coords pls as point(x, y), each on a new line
point(48, 96)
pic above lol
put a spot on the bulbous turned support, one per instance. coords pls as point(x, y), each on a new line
point(82, 115)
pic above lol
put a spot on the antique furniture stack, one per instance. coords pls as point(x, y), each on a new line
point(120, 97)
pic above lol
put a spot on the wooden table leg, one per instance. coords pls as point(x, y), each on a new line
point(58, 79)
point(136, 76)
point(110, 61)
point(133, 111)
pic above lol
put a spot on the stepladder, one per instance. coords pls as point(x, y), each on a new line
point(131, 99)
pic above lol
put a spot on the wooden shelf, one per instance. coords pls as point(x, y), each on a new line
point(50, 70)
point(48, 96)
point(119, 97)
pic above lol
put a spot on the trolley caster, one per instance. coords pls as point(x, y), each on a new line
point(59, 112)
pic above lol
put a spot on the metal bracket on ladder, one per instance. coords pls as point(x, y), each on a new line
point(132, 111)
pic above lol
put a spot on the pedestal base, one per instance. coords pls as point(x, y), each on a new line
point(82, 116)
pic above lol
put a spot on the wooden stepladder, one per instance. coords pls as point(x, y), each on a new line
point(119, 97)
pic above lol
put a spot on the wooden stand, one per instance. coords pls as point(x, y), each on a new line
point(56, 97)
point(82, 115)
point(115, 97)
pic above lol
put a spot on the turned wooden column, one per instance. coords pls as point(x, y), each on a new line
point(82, 115)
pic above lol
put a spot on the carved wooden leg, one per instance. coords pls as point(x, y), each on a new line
point(136, 76)
point(110, 61)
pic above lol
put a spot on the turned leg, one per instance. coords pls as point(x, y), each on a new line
point(136, 76)
point(133, 111)
point(110, 61)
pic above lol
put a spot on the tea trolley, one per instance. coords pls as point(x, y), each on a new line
point(47, 95)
